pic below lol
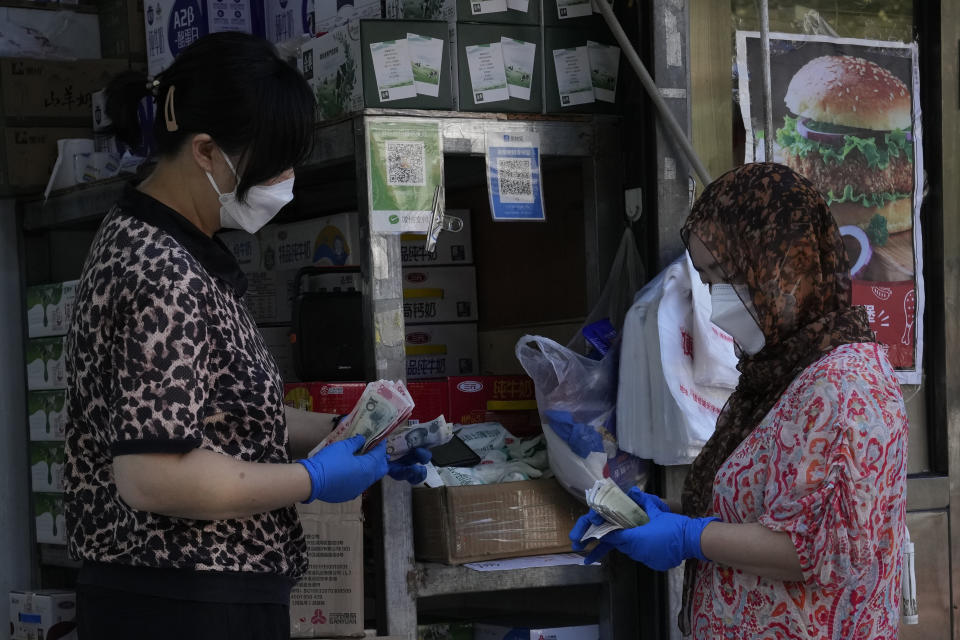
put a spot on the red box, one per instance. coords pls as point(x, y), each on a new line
point(431, 399)
point(324, 397)
point(509, 400)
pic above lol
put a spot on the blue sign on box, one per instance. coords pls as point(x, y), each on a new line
point(513, 176)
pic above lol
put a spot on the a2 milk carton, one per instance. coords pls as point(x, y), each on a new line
point(173, 25)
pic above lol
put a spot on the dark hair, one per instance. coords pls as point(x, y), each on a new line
point(234, 87)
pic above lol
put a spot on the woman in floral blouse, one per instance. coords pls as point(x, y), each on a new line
point(795, 508)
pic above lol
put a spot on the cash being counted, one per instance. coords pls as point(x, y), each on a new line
point(617, 508)
point(427, 435)
point(384, 405)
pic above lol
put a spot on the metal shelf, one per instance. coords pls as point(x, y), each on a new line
point(54, 555)
point(430, 579)
point(77, 205)
point(464, 133)
point(337, 142)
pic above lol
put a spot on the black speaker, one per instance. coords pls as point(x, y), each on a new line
point(327, 335)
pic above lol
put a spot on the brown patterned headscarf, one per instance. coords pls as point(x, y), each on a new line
point(768, 228)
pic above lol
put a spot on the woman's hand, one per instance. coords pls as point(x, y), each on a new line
point(661, 544)
point(410, 467)
point(338, 475)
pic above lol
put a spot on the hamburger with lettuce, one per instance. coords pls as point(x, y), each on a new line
point(850, 136)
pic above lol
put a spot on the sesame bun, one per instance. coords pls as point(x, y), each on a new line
point(899, 214)
point(850, 92)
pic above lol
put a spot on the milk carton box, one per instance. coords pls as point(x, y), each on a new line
point(51, 525)
point(46, 366)
point(46, 466)
point(441, 350)
point(43, 615)
point(47, 415)
point(173, 25)
point(49, 308)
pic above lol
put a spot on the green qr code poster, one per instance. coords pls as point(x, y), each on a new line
point(405, 166)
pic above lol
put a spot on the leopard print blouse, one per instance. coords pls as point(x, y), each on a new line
point(163, 357)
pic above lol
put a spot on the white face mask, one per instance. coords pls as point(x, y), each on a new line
point(730, 314)
point(262, 203)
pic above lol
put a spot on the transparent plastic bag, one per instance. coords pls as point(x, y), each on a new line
point(577, 398)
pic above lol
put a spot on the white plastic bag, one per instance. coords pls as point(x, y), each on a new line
point(663, 412)
point(699, 405)
point(634, 404)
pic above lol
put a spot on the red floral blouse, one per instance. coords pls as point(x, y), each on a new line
point(827, 466)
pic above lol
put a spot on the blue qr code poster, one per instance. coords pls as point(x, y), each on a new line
point(513, 176)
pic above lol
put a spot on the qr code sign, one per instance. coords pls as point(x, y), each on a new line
point(406, 164)
point(516, 179)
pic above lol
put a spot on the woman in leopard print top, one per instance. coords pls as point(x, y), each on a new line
point(180, 474)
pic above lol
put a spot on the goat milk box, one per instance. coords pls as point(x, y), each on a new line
point(441, 350)
point(331, 66)
point(49, 308)
point(43, 615)
point(47, 414)
point(439, 294)
point(46, 366)
point(451, 248)
point(49, 519)
point(46, 466)
point(244, 246)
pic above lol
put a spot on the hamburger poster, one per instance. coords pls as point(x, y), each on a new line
point(846, 116)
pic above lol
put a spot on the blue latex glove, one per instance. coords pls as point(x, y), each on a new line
point(410, 467)
point(338, 475)
point(661, 544)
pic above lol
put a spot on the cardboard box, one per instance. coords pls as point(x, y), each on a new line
point(509, 400)
point(471, 35)
point(440, 350)
point(244, 246)
point(328, 600)
point(383, 32)
point(173, 25)
point(445, 631)
point(430, 400)
point(43, 615)
point(29, 154)
point(337, 398)
point(499, 11)
point(558, 38)
point(451, 249)
point(442, 10)
point(51, 525)
point(439, 294)
point(53, 91)
point(47, 415)
point(121, 29)
point(46, 466)
point(455, 525)
point(330, 241)
point(331, 66)
point(445, 10)
point(499, 632)
point(575, 14)
point(278, 342)
point(50, 308)
point(49, 33)
point(46, 366)
point(272, 258)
